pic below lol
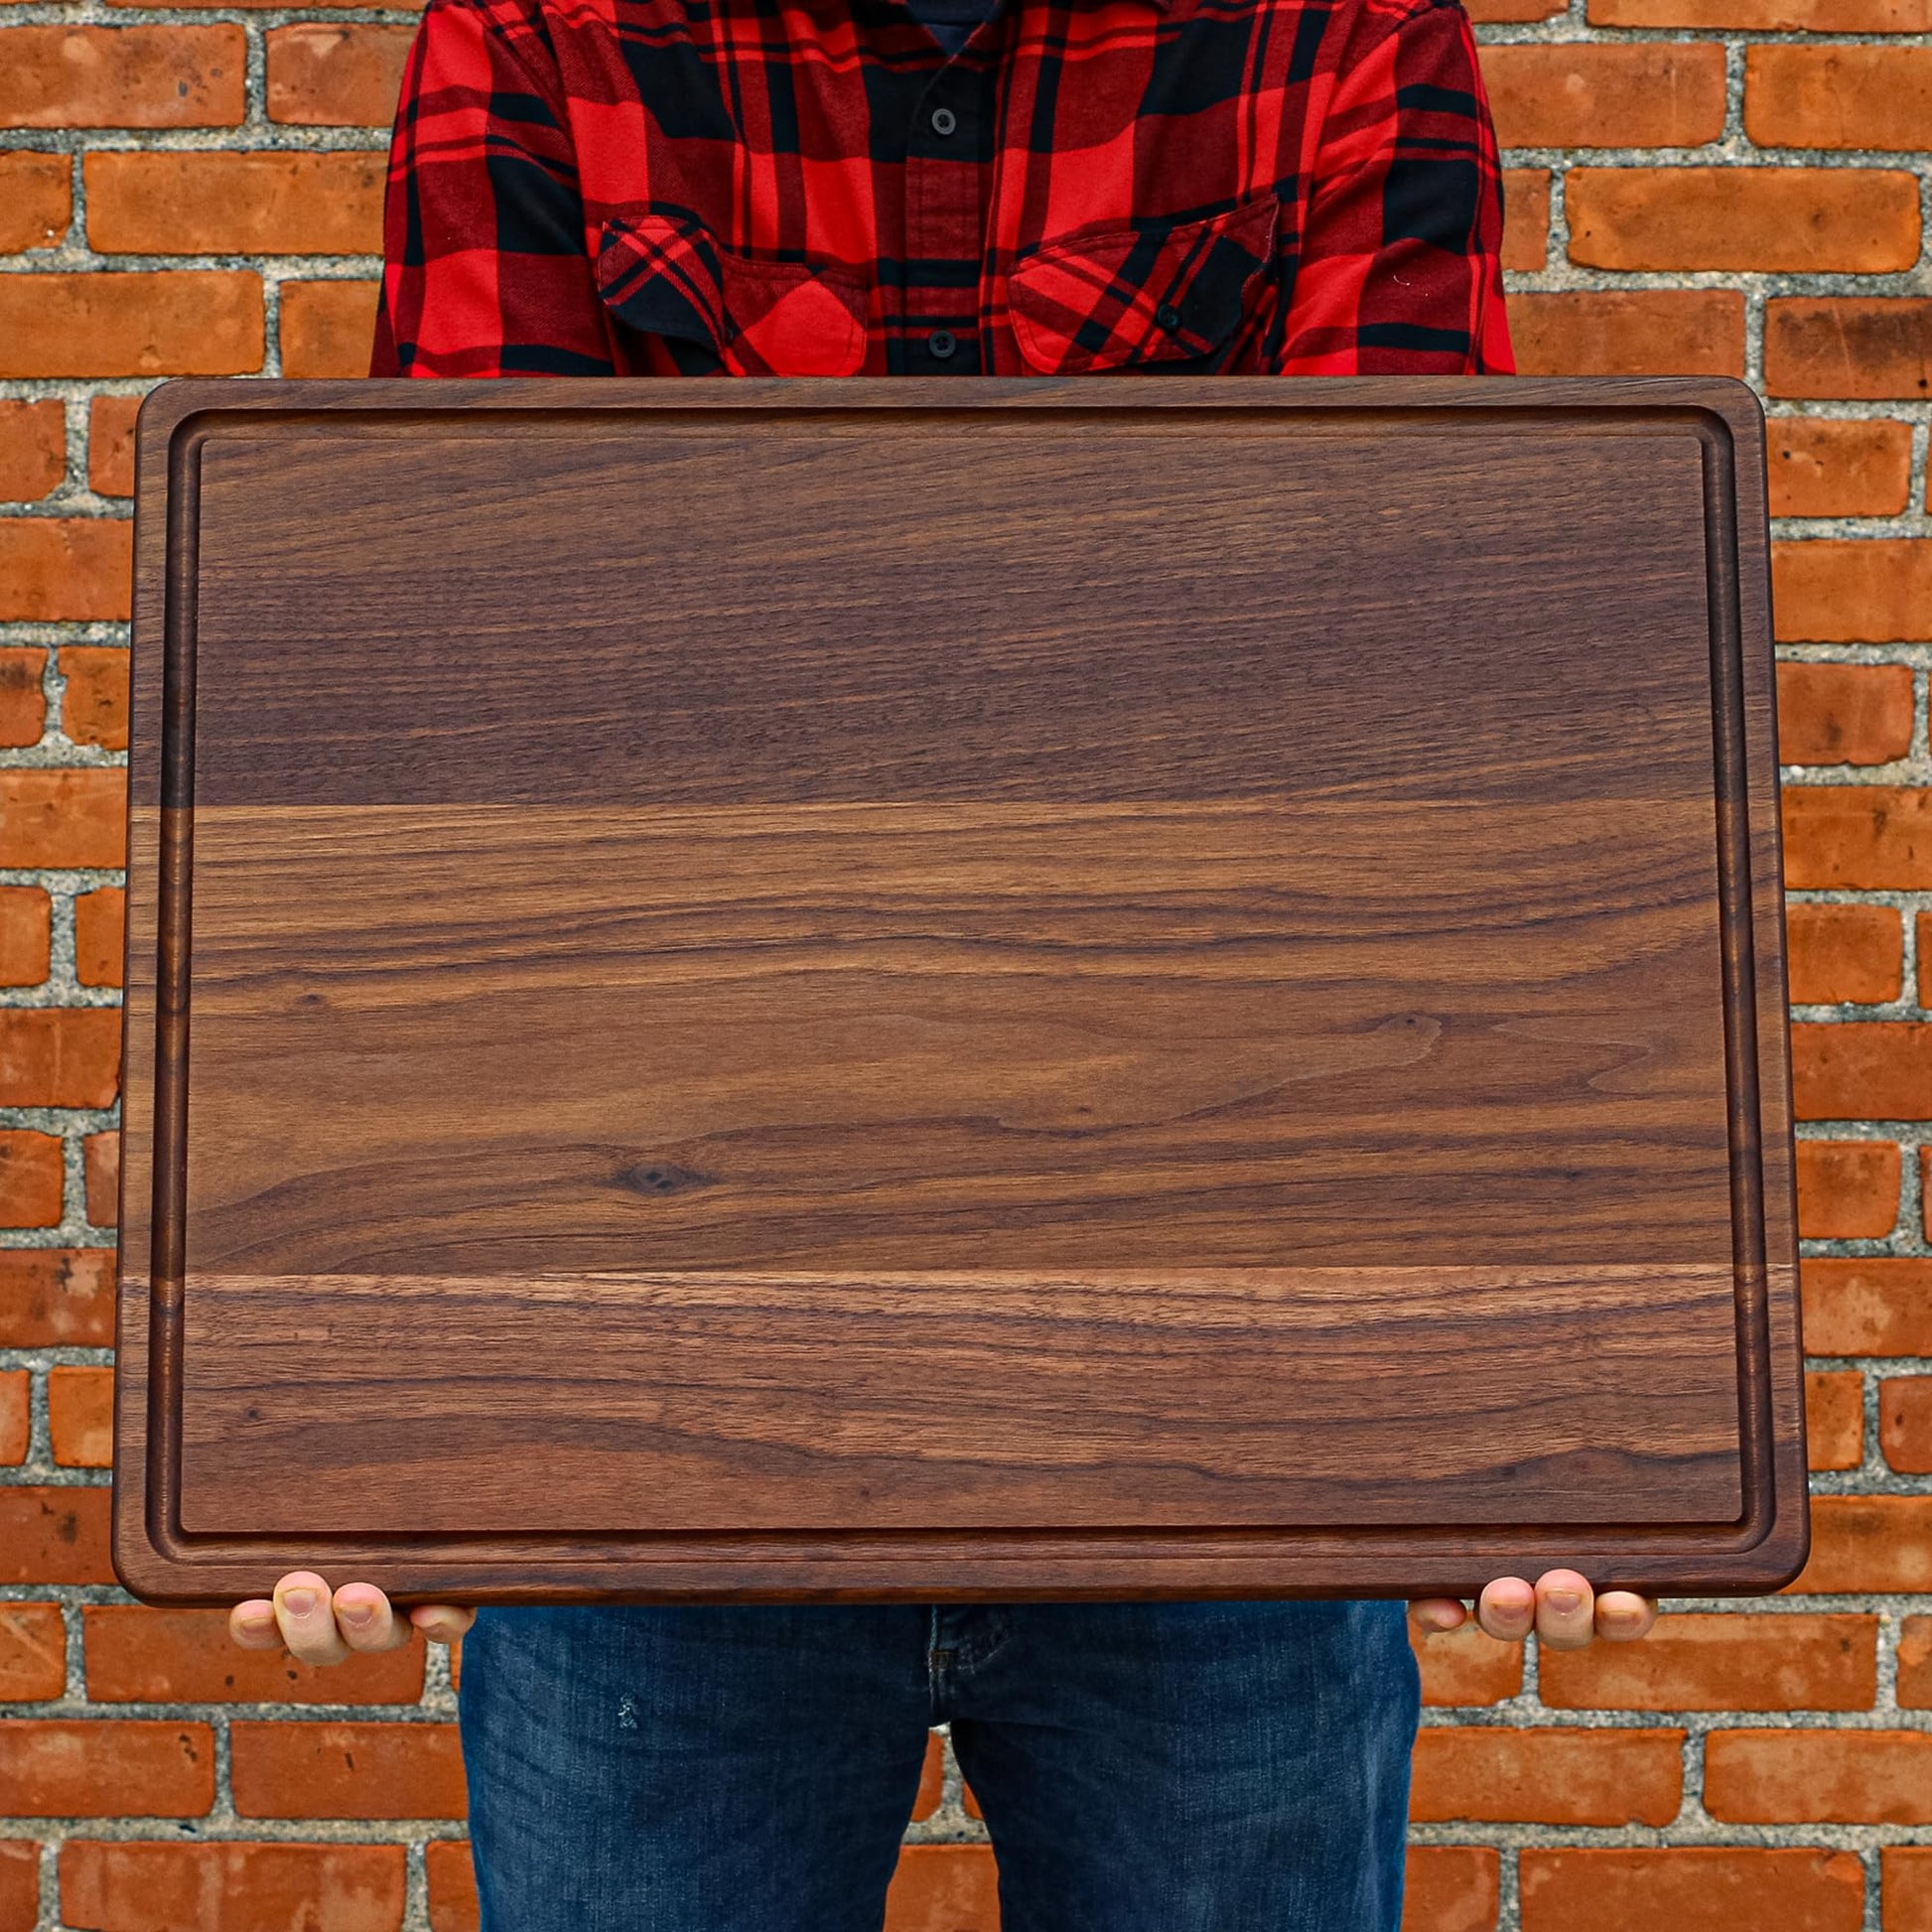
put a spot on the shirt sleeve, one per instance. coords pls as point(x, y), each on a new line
point(486, 271)
point(1400, 268)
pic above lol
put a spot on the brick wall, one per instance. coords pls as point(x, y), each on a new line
point(1731, 186)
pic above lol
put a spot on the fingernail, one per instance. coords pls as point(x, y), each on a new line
point(299, 1602)
point(260, 1620)
point(355, 1614)
point(1562, 1601)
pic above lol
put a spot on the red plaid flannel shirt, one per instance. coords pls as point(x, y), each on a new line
point(812, 187)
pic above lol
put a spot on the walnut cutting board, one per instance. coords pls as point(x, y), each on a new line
point(955, 989)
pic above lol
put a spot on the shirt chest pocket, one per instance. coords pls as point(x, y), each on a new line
point(1126, 298)
point(666, 275)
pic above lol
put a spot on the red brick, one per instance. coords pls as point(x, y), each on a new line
point(122, 76)
point(346, 1770)
point(81, 1412)
point(1858, 219)
point(1847, 97)
point(170, 321)
point(196, 204)
point(1848, 1189)
point(111, 445)
point(1856, 347)
point(101, 1169)
point(63, 818)
point(23, 704)
point(13, 1415)
point(102, 1768)
point(136, 1887)
point(1844, 953)
point(1905, 1423)
point(33, 435)
point(945, 1888)
point(99, 935)
point(1576, 95)
point(137, 1655)
point(1629, 332)
point(1790, 1889)
point(1526, 217)
point(26, 935)
point(1487, 10)
point(1450, 1888)
point(36, 206)
point(59, 1056)
point(1876, 1304)
point(1915, 1663)
point(57, 568)
point(1865, 1069)
point(1836, 592)
point(20, 1885)
point(1723, 1661)
point(33, 1654)
point(1905, 1888)
point(1924, 925)
point(451, 1887)
point(325, 74)
point(407, 6)
point(1466, 1666)
point(1864, 837)
point(30, 1176)
point(1869, 1543)
point(56, 1297)
point(1835, 1417)
point(1773, 16)
point(1827, 467)
point(932, 1778)
point(328, 328)
point(53, 1534)
point(1844, 714)
point(1831, 1777)
point(94, 709)
point(1547, 1776)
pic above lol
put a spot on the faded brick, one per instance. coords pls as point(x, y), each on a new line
point(1688, 1888)
point(1723, 1661)
point(33, 435)
point(1825, 467)
point(1856, 347)
point(197, 204)
point(36, 200)
point(1629, 332)
point(135, 1888)
point(1574, 95)
point(169, 321)
point(1843, 954)
point(1835, 1418)
point(328, 328)
point(122, 76)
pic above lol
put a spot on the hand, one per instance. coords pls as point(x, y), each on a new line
point(1563, 1608)
point(321, 1629)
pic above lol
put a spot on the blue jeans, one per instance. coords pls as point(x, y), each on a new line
point(1143, 1767)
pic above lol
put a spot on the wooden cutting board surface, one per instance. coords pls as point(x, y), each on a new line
point(955, 989)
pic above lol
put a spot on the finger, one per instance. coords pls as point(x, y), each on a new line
point(1565, 1609)
point(365, 1620)
point(1506, 1608)
point(252, 1625)
point(308, 1620)
point(442, 1622)
point(1622, 1615)
point(1431, 1614)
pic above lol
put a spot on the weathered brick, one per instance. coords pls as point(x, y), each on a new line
point(1905, 1423)
point(31, 1173)
point(135, 1888)
point(137, 1655)
point(1547, 1776)
point(1723, 1661)
point(33, 1654)
point(1843, 954)
point(168, 321)
point(1450, 1888)
point(1764, 16)
point(196, 204)
point(26, 927)
point(33, 435)
point(1844, 714)
point(56, 1297)
point(1574, 95)
point(1487, 10)
point(1835, 1417)
point(81, 1413)
point(36, 200)
point(110, 444)
point(1826, 1777)
point(1863, 837)
point(1692, 1887)
point(122, 76)
point(1856, 347)
point(1879, 1069)
point(1526, 217)
point(1848, 1189)
point(451, 1887)
point(92, 1768)
point(1629, 332)
point(1915, 1663)
point(63, 818)
point(1828, 467)
point(53, 1534)
point(1874, 592)
point(1844, 96)
point(94, 709)
point(20, 1885)
point(1923, 924)
point(1466, 1666)
point(54, 569)
point(1859, 219)
point(99, 936)
point(1878, 1305)
point(101, 1172)
point(59, 1056)
point(932, 1772)
point(1905, 1888)
point(945, 1888)
point(325, 74)
point(14, 1417)
point(346, 1770)
point(23, 704)
point(1869, 1543)
point(328, 328)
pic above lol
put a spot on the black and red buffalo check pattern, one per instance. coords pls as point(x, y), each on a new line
point(812, 187)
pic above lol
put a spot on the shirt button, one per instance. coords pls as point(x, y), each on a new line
point(1168, 317)
point(942, 342)
point(944, 120)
